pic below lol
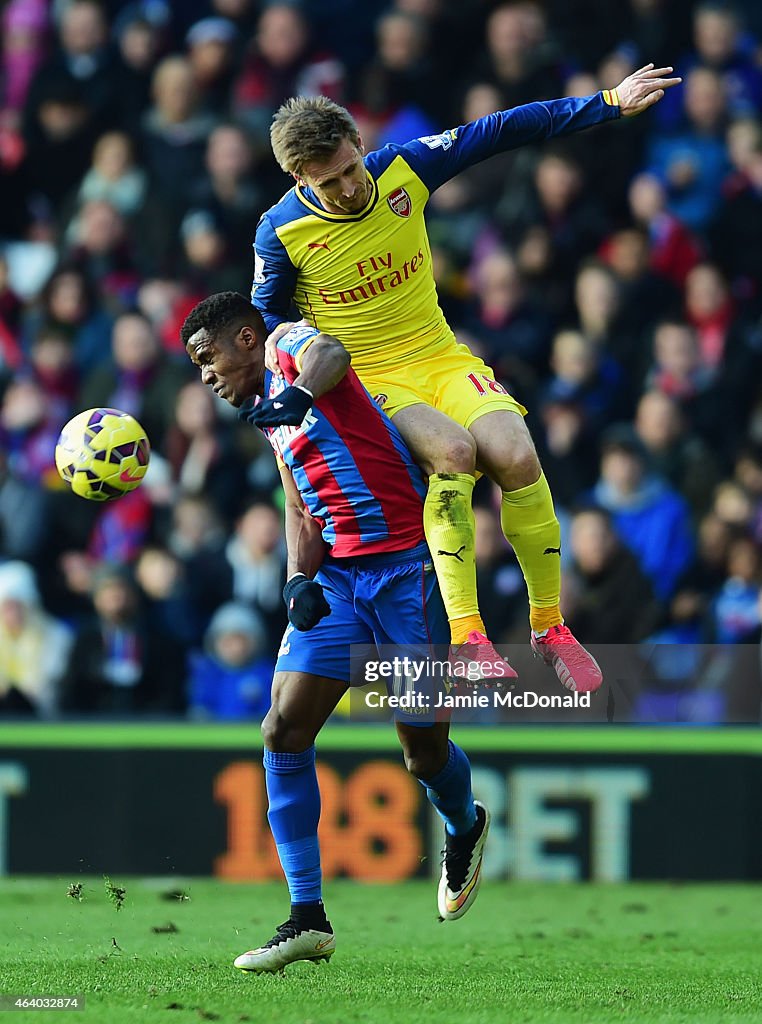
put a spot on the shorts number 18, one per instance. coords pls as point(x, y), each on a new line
point(479, 380)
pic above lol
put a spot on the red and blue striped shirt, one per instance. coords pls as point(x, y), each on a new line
point(349, 462)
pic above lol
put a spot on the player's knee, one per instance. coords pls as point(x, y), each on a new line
point(519, 468)
point(425, 762)
point(457, 454)
point(284, 737)
point(527, 465)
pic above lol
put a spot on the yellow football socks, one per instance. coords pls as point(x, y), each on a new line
point(448, 521)
point(460, 627)
point(530, 525)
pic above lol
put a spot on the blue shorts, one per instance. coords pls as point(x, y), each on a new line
point(389, 599)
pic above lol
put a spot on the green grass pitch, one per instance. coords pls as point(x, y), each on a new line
point(528, 954)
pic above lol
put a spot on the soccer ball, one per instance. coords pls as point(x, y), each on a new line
point(102, 454)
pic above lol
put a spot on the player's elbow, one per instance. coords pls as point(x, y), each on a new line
point(299, 521)
point(297, 516)
point(336, 351)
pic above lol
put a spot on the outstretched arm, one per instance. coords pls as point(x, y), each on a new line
point(437, 158)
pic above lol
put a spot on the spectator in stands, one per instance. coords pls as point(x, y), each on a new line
point(34, 647)
point(114, 176)
point(230, 191)
point(609, 599)
point(683, 459)
point(652, 520)
point(140, 32)
point(514, 330)
point(678, 368)
point(207, 259)
point(23, 514)
point(211, 44)
point(202, 453)
point(520, 58)
point(161, 577)
point(60, 130)
point(84, 57)
point(121, 663)
point(569, 220)
point(52, 367)
point(175, 131)
point(735, 239)
point(586, 377)
point(597, 306)
point(140, 379)
point(197, 537)
point(735, 611)
point(692, 163)
point(679, 371)
point(29, 430)
point(396, 93)
point(644, 296)
point(727, 342)
point(710, 310)
point(624, 149)
point(69, 303)
point(722, 46)
point(686, 620)
point(166, 302)
point(24, 28)
point(674, 251)
point(444, 23)
point(66, 576)
point(282, 62)
point(231, 678)
point(196, 527)
point(597, 300)
point(101, 247)
point(742, 138)
point(460, 212)
point(256, 556)
point(567, 451)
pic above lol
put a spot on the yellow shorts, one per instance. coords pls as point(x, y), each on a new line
point(454, 381)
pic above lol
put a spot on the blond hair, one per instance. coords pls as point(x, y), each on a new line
point(308, 128)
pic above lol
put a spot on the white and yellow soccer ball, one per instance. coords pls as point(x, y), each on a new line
point(102, 454)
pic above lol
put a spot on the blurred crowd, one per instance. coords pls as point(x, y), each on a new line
point(614, 280)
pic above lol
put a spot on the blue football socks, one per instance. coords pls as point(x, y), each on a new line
point(293, 814)
point(450, 792)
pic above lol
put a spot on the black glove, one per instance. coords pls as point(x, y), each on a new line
point(305, 602)
point(287, 409)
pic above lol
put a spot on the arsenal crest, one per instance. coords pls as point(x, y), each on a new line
point(399, 202)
